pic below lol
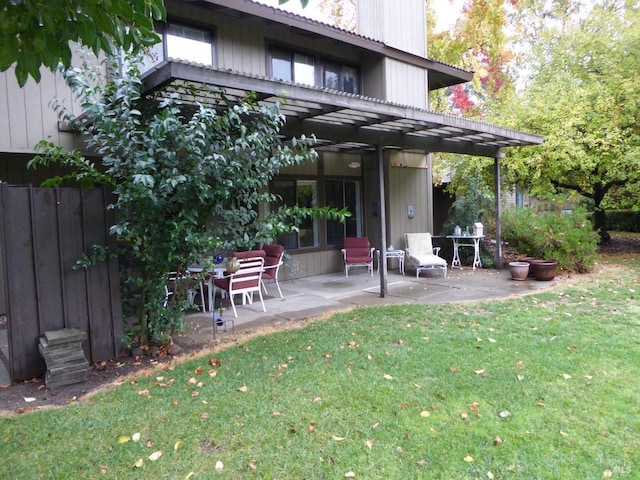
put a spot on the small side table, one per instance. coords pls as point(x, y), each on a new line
point(466, 241)
point(399, 254)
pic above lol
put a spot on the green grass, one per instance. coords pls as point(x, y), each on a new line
point(347, 394)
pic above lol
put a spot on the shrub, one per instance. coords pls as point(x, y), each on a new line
point(567, 238)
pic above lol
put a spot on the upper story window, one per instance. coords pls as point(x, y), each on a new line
point(304, 68)
point(184, 42)
point(341, 77)
point(189, 43)
point(292, 66)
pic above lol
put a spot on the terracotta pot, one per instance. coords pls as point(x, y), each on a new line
point(519, 270)
point(546, 270)
point(532, 261)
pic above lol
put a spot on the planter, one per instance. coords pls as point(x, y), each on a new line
point(546, 270)
point(532, 261)
point(233, 265)
point(519, 270)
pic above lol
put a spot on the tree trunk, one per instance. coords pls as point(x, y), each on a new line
point(600, 221)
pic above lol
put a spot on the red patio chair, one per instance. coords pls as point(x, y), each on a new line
point(246, 281)
point(357, 252)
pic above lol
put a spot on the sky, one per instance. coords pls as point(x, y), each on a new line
point(447, 11)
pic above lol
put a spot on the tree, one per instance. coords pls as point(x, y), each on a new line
point(584, 97)
point(36, 33)
point(189, 180)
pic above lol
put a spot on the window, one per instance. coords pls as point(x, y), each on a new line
point(190, 44)
point(339, 194)
point(302, 68)
point(519, 197)
point(184, 42)
point(304, 194)
point(341, 77)
point(292, 66)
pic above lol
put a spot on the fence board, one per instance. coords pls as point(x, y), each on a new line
point(44, 232)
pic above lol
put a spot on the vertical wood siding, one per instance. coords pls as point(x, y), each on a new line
point(44, 232)
point(26, 116)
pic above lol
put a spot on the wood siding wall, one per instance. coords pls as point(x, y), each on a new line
point(407, 186)
point(398, 23)
point(44, 232)
point(26, 117)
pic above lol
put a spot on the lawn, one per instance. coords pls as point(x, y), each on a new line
point(542, 386)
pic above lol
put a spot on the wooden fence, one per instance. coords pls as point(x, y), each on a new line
point(44, 232)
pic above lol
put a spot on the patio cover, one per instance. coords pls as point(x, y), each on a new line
point(347, 122)
point(341, 121)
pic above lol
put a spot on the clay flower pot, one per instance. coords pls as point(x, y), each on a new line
point(532, 261)
point(546, 270)
point(519, 270)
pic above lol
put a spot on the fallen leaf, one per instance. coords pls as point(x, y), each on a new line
point(177, 445)
point(338, 439)
point(29, 399)
point(213, 373)
point(252, 466)
point(138, 463)
point(198, 371)
point(505, 414)
point(564, 434)
point(192, 381)
point(497, 441)
point(520, 377)
point(566, 376)
point(189, 475)
point(123, 439)
point(479, 372)
point(425, 413)
point(316, 399)
point(195, 393)
point(607, 474)
point(468, 458)
point(219, 465)
point(388, 377)
point(243, 389)
point(492, 340)
point(369, 444)
point(350, 475)
point(421, 463)
point(540, 404)
point(135, 437)
point(399, 449)
point(490, 475)
point(214, 362)
point(155, 455)
point(276, 414)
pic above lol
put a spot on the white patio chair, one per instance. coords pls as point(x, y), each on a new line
point(421, 253)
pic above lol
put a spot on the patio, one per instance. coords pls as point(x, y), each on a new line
point(311, 297)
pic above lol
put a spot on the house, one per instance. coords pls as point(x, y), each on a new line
point(363, 94)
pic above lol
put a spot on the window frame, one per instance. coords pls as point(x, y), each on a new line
point(320, 65)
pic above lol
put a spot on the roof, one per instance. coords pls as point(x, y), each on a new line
point(340, 121)
point(440, 74)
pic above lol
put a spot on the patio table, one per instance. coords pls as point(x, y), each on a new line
point(218, 272)
point(469, 241)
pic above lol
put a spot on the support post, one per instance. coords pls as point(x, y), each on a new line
point(498, 195)
point(383, 224)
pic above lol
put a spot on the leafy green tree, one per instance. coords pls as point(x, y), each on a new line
point(189, 180)
point(584, 97)
point(35, 33)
